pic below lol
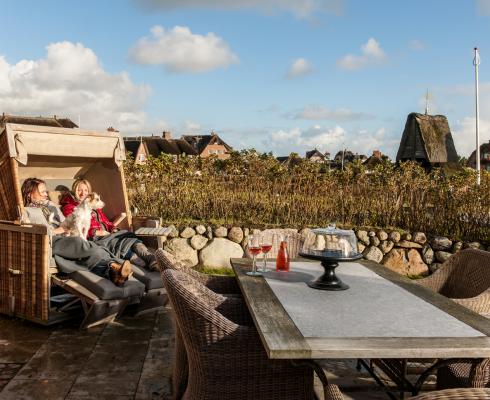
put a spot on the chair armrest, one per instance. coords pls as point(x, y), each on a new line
point(435, 281)
point(479, 304)
point(37, 229)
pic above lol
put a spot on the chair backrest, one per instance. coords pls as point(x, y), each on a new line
point(468, 274)
point(195, 310)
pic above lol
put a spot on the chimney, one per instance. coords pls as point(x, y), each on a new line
point(166, 135)
point(112, 129)
point(377, 154)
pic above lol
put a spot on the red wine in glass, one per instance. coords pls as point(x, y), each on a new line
point(255, 250)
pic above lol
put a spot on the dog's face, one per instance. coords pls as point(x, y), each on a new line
point(94, 201)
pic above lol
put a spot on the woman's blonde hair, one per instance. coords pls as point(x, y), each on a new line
point(79, 182)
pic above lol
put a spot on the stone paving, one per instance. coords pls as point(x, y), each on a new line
point(127, 359)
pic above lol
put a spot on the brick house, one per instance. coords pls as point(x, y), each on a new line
point(484, 157)
point(144, 146)
point(209, 145)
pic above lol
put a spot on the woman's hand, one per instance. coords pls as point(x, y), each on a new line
point(59, 230)
point(101, 232)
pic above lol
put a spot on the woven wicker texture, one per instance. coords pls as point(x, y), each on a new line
point(8, 183)
point(227, 360)
point(464, 278)
point(218, 284)
point(455, 394)
point(24, 274)
point(462, 375)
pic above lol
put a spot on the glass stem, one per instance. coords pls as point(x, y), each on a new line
point(265, 262)
point(254, 267)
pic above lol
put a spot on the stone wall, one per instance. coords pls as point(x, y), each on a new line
point(408, 253)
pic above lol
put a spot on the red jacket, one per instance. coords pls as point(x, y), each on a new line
point(99, 220)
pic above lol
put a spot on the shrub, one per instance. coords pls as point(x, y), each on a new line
point(255, 190)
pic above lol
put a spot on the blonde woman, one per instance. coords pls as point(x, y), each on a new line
point(103, 232)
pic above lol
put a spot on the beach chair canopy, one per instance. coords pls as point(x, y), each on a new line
point(59, 156)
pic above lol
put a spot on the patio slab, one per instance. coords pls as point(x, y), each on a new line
point(128, 359)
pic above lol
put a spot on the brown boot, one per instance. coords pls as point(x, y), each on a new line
point(119, 273)
point(149, 258)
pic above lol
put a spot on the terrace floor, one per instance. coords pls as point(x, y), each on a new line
point(127, 359)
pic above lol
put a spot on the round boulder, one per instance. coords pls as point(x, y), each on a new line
point(235, 234)
point(372, 253)
point(200, 229)
point(441, 243)
point(187, 233)
point(198, 242)
point(363, 237)
point(386, 245)
point(442, 256)
point(218, 253)
point(394, 236)
point(182, 251)
point(415, 264)
point(396, 261)
point(374, 241)
point(427, 254)
point(419, 237)
point(220, 232)
point(382, 235)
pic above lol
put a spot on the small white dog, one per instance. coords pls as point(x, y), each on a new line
point(78, 223)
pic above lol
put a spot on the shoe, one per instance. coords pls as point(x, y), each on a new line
point(119, 273)
point(137, 260)
point(148, 257)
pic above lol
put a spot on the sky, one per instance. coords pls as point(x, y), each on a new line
point(275, 75)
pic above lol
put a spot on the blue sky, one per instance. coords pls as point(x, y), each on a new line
point(276, 75)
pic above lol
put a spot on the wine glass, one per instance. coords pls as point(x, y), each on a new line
point(265, 246)
point(254, 249)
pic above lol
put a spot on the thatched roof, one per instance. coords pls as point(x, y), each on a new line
point(427, 139)
point(484, 149)
point(40, 121)
point(132, 145)
point(313, 153)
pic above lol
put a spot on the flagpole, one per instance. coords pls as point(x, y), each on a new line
point(476, 63)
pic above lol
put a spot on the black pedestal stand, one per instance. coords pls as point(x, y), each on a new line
point(329, 260)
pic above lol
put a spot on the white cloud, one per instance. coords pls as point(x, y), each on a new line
point(483, 7)
point(299, 141)
point(331, 139)
point(71, 82)
point(416, 45)
point(315, 112)
point(180, 50)
point(464, 134)
point(371, 54)
point(299, 8)
point(299, 67)
point(191, 127)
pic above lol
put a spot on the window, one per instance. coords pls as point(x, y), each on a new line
point(142, 157)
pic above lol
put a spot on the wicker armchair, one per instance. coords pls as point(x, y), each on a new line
point(464, 278)
point(227, 360)
point(218, 284)
point(455, 394)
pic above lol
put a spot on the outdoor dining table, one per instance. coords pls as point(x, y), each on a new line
point(381, 315)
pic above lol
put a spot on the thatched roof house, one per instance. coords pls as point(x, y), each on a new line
point(484, 157)
point(209, 145)
point(42, 121)
point(428, 140)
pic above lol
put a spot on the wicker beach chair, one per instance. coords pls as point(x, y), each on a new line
point(227, 360)
point(31, 285)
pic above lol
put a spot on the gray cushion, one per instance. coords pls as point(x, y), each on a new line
point(151, 279)
point(104, 289)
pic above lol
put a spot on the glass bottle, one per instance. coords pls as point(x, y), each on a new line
point(282, 260)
